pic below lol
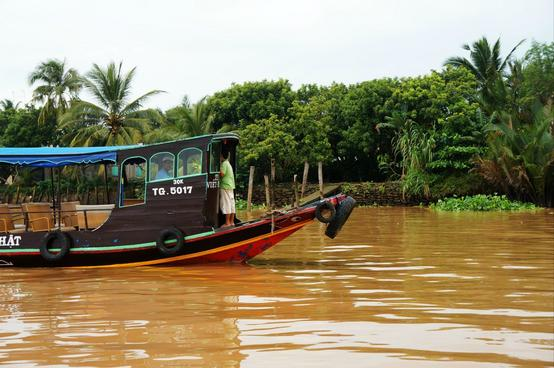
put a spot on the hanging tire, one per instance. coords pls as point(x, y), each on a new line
point(57, 240)
point(343, 212)
point(325, 207)
point(168, 234)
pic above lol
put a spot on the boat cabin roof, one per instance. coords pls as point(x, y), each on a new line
point(63, 156)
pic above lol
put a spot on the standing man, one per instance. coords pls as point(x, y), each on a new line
point(226, 187)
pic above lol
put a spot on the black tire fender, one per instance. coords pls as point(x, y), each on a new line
point(343, 212)
point(63, 240)
point(170, 233)
point(325, 206)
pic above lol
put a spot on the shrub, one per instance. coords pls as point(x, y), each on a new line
point(481, 202)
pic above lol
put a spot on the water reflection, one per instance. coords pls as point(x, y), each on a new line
point(398, 287)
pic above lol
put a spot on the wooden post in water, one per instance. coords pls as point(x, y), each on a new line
point(304, 178)
point(267, 199)
point(295, 188)
point(272, 184)
point(250, 185)
point(320, 178)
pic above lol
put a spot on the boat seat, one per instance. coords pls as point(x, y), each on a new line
point(40, 217)
point(7, 224)
point(17, 216)
point(69, 213)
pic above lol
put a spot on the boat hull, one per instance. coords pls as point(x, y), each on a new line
point(238, 252)
point(126, 248)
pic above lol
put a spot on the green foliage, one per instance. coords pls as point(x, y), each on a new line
point(310, 125)
point(520, 158)
point(480, 202)
point(415, 147)
point(456, 184)
point(347, 188)
point(361, 190)
point(538, 74)
point(116, 120)
point(487, 113)
point(354, 138)
point(416, 184)
point(243, 104)
point(185, 121)
point(486, 64)
point(19, 128)
point(76, 183)
point(60, 87)
point(443, 106)
point(241, 205)
point(269, 139)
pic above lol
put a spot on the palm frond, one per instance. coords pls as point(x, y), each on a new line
point(463, 62)
point(136, 104)
point(509, 56)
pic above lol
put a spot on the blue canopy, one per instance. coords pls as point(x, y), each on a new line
point(59, 156)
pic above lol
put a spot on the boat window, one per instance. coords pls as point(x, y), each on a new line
point(132, 182)
point(189, 162)
point(162, 166)
point(215, 152)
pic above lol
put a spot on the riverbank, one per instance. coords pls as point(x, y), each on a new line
point(365, 194)
point(374, 193)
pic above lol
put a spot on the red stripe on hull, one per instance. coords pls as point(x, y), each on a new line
point(242, 253)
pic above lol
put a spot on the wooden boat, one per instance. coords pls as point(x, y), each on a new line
point(169, 219)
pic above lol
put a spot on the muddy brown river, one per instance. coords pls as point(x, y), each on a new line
point(399, 287)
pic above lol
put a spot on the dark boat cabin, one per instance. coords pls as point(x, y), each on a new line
point(173, 184)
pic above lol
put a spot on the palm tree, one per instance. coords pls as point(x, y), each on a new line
point(186, 121)
point(487, 66)
point(116, 120)
point(59, 88)
point(6, 105)
point(520, 160)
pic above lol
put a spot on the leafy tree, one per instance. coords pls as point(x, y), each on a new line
point(306, 92)
point(59, 87)
point(243, 104)
point(268, 139)
point(353, 135)
point(19, 128)
point(443, 103)
point(6, 107)
point(538, 74)
point(310, 126)
point(116, 120)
